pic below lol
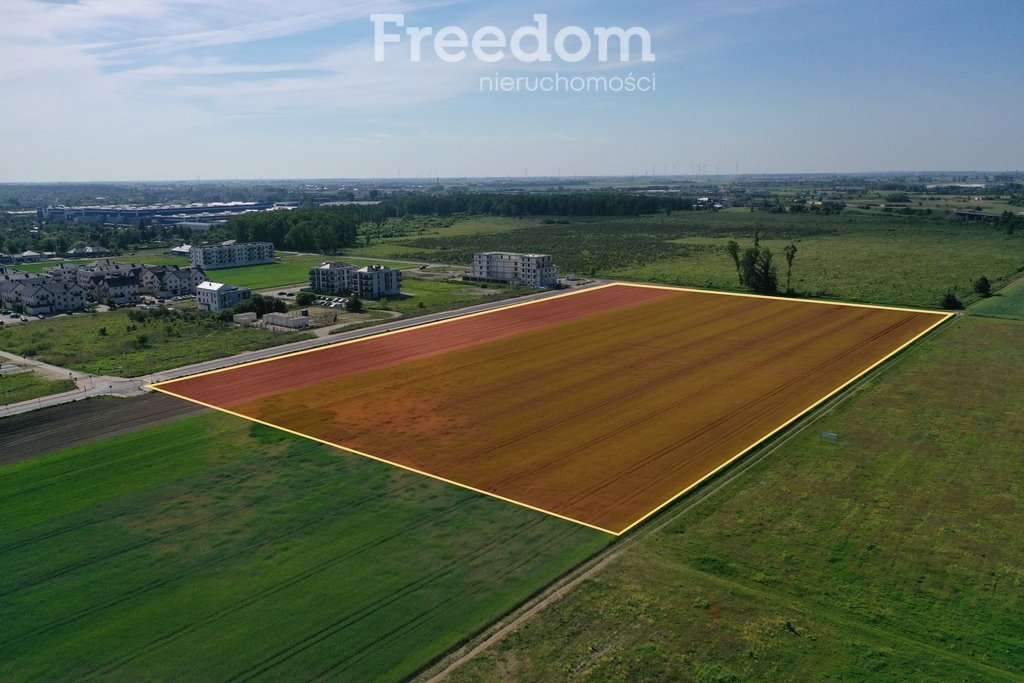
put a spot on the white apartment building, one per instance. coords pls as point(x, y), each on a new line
point(371, 282)
point(533, 270)
point(232, 255)
point(215, 297)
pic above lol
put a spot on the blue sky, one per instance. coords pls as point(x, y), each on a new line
point(169, 89)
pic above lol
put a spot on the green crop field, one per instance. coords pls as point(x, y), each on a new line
point(25, 386)
point(892, 555)
point(213, 549)
point(1008, 303)
point(130, 349)
point(874, 258)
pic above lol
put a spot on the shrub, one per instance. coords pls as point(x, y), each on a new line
point(950, 302)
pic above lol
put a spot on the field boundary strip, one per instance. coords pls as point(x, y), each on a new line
point(941, 318)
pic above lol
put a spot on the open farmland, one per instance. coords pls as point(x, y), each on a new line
point(867, 257)
point(599, 406)
point(216, 549)
point(893, 555)
point(1008, 303)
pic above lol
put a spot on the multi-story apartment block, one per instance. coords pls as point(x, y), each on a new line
point(372, 282)
point(533, 270)
point(232, 255)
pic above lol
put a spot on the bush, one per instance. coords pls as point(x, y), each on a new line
point(261, 305)
point(951, 303)
point(354, 305)
point(305, 298)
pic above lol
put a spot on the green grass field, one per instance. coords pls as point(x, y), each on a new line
point(908, 260)
point(430, 296)
point(213, 549)
point(893, 555)
point(25, 386)
point(1008, 303)
point(76, 342)
point(292, 270)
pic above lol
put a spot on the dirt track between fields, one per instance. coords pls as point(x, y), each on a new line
point(44, 431)
point(599, 407)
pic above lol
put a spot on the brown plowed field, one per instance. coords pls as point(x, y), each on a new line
point(599, 406)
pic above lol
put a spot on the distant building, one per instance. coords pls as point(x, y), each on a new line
point(533, 270)
point(232, 255)
point(86, 252)
point(216, 297)
point(30, 257)
point(371, 282)
point(183, 250)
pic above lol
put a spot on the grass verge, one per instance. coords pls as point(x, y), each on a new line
point(25, 386)
point(112, 344)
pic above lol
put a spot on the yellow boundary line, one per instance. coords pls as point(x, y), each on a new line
point(381, 335)
point(942, 318)
point(384, 460)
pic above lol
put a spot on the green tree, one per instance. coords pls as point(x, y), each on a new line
point(756, 267)
point(733, 249)
point(790, 255)
point(983, 286)
point(354, 305)
point(305, 298)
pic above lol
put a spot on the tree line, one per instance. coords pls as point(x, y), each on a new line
point(756, 268)
point(325, 230)
point(597, 204)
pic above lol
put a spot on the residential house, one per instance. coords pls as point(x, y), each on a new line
point(216, 297)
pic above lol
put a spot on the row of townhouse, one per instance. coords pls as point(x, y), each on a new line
point(125, 283)
point(38, 294)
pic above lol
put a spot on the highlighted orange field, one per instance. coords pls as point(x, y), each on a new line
point(600, 406)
